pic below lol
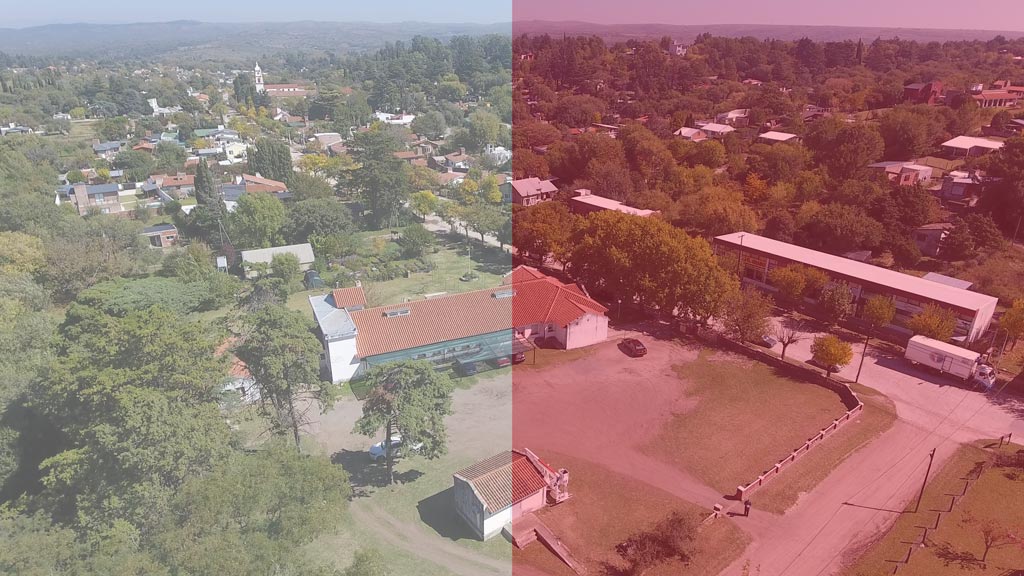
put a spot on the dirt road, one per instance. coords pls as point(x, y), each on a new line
point(397, 534)
point(863, 496)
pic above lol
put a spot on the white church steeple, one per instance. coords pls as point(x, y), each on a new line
point(257, 77)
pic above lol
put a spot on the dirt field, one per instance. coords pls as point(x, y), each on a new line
point(605, 509)
point(604, 408)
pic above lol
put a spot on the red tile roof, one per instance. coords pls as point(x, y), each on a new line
point(238, 368)
point(431, 321)
point(349, 297)
point(260, 184)
point(504, 479)
point(542, 299)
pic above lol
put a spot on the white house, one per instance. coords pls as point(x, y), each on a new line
point(715, 130)
point(691, 134)
point(544, 307)
point(490, 495)
point(970, 146)
point(773, 137)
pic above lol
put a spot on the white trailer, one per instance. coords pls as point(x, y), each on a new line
point(946, 358)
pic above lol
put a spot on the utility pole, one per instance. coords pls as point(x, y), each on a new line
point(863, 354)
point(931, 458)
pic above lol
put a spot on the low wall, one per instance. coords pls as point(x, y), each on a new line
point(803, 372)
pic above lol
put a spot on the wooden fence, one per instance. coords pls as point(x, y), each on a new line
point(800, 371)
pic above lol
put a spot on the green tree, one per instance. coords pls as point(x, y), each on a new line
point(21, 253)
point(317, 217)
point(137, 165)
point(746, 314)
point(958, 243)
point(1013, 321)
point(831, 352)
point(423, 203)
point(415, 240)
point(287, 268)
point(170, 158)
point(308, 186)
point(134, 400)
point(790, 282)
point(933, 321)
point(257, 221)
point(410, 398)
point(271, 159)
point(381, 179)
point(430, 125)
point(283, 356)
point(837, 302)
point(483, 219)
point(879, 311)
point(483, 128)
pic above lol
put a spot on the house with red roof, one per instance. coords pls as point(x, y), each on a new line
point(469, 327)
point(493, 493)
point(544, 307)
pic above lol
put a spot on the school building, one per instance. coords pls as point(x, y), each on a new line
point(759, 255)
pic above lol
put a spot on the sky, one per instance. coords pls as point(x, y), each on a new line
point(21, 14)
point(946, 14)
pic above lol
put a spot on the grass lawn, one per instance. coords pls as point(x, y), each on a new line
point(544, 358)
point(83, 130)
point(746, 418)
point(606, 508)
point(800, 477)
point(451, 261)
point(957, 546)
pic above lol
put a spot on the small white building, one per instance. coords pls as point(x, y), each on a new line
point(490, 495)
point(691, 134)
point(715, 130)
point(970, 146)
point(773, 137)
point(304, 252)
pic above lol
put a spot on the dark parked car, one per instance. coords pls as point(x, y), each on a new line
point(312, 280)
point(467, 369)
point(519, 357)
point(832, 369)
point(502, 362)
point(634, 347)
point(766, 341)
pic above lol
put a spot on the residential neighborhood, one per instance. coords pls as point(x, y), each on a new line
point(489, 289)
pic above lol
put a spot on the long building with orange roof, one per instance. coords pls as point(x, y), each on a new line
point(468, 327)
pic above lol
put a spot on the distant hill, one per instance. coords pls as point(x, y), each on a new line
point(686, 33)
point(224, 41)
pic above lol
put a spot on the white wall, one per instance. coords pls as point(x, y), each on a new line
point(494, 524)
point(587, 330)
point(343, 359)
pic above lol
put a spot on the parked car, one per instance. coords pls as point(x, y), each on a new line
point(766, 341)
point(502, 362)
point(832, 369)
point(377, 450)
point(634, 347)
point(519, 357)
point(312, 280)
point(467, 368)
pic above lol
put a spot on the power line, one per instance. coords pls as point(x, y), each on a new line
point(872, 517)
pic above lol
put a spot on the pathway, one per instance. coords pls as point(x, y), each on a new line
point(457, 560)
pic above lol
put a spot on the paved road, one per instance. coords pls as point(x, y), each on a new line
point(435, 224)
point(864, 495)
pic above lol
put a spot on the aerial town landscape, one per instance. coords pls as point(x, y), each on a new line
point(555, 290)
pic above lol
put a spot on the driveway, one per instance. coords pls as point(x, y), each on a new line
point(864, 495)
